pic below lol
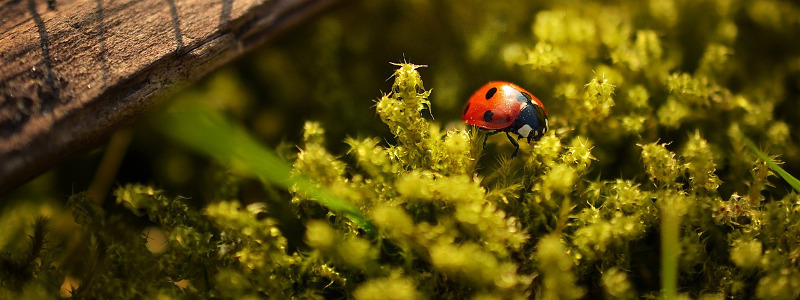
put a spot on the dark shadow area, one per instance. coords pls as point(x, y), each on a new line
point(101, 40)
point(50, 94)
point(176, 25)
point(14, 112)
point(33, 91)
point(225, 13)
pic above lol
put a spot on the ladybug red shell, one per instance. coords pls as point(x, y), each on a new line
point(505, 107)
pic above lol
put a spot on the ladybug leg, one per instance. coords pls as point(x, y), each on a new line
point(513, 142)
point(486, 137)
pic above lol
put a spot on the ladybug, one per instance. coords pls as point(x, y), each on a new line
point(505, 107)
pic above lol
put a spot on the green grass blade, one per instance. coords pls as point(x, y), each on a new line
point(772, 165)
point(670, 252)
point(212, 134)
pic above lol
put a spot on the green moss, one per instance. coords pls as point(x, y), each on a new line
point(617, 284)
point(558, 280)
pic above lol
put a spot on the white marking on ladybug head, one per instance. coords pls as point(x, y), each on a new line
point(524, 131)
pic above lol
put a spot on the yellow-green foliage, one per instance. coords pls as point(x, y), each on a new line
point(642, 188)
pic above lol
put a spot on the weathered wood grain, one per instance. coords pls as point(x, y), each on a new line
point(73, 71)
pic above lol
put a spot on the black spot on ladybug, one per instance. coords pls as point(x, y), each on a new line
point(490, 93)
point(466, 108)
point(487, 116)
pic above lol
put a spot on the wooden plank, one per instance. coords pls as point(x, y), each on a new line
point(73, 71)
